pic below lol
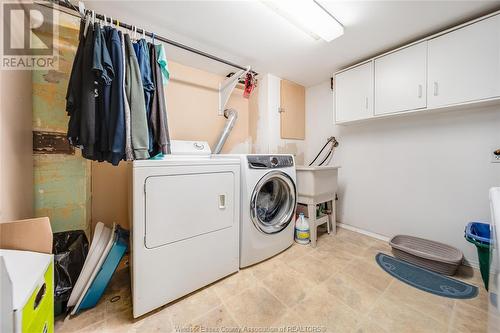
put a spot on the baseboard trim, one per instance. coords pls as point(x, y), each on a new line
point(470, 263)
point(364, 232)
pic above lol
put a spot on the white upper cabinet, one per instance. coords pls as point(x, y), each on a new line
point(354, 93)
point(400, 80)
point(464, 65)
point(453, 68)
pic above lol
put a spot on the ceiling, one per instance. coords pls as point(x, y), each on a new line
point(249, 33)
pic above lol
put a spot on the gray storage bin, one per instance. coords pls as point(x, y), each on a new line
point(434, 256)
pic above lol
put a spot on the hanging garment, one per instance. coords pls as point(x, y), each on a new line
point(141, 50)
point(135, 96)
point(250, 84)
point(104, 72)
point(73, 94)
point(159, 124)
point(161, 58)
point(105, 108)
point(101, 64)
point(87, 136)
point(129, 154)
point(117, 100)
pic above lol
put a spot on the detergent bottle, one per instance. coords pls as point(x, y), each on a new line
point(302, 235)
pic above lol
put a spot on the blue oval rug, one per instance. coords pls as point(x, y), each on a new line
point(424, 279)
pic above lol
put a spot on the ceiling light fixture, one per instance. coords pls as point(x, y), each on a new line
point(310, 16)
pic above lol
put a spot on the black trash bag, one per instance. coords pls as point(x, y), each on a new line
point(70, 249)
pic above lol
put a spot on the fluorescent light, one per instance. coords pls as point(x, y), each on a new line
point(309, 16)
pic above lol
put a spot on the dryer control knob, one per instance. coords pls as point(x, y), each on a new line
point(198, 146)
point(274, 161)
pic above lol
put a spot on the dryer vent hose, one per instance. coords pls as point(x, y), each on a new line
point(231, 115)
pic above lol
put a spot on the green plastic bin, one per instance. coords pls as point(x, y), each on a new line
point(483, 253)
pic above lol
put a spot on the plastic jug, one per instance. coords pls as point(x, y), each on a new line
point(302, 235)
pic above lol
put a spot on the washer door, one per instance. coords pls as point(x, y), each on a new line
point(273, 201)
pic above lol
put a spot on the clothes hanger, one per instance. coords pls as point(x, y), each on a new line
point(87, 24)
point(88, 21)
point(117, 27)
point(81, 8)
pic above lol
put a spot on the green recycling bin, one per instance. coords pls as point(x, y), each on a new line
point(479, 234)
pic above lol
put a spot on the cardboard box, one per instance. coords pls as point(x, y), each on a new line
point(28, 235)
point(27, 287)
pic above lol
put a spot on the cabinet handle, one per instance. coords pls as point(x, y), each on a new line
point(436, 88)
point(222, 201)
point(39, 296)
point(366, 103)
point(419, 91)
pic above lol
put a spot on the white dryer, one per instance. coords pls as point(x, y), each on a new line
point(185, 224)
point(268, 202)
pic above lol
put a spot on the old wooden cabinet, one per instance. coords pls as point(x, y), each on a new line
point(292, 110)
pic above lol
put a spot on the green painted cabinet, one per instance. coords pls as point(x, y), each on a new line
point(62, 186)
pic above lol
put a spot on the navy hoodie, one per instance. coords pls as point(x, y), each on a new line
point(117, 103)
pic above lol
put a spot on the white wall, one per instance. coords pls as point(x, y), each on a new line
point(16, 146)
point(268, 138)
point(319, 121)
point(425, 175)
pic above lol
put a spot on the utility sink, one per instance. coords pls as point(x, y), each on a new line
point(317, 182)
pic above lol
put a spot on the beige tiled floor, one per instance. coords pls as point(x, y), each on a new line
point(337, 287)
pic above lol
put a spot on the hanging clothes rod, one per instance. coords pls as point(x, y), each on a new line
point(69, 6)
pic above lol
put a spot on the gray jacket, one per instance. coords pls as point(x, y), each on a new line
point(135, 97)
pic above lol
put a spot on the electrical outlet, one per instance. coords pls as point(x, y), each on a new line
point(495, 156)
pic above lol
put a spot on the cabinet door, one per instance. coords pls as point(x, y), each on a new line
point(354, 93)
point(400, 80)
point(292, 110)
point(464, 65)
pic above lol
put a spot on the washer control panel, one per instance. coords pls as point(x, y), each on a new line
point(269, 161)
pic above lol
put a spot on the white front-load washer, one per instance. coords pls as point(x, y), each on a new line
point(185, 224)
point(268, 203)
